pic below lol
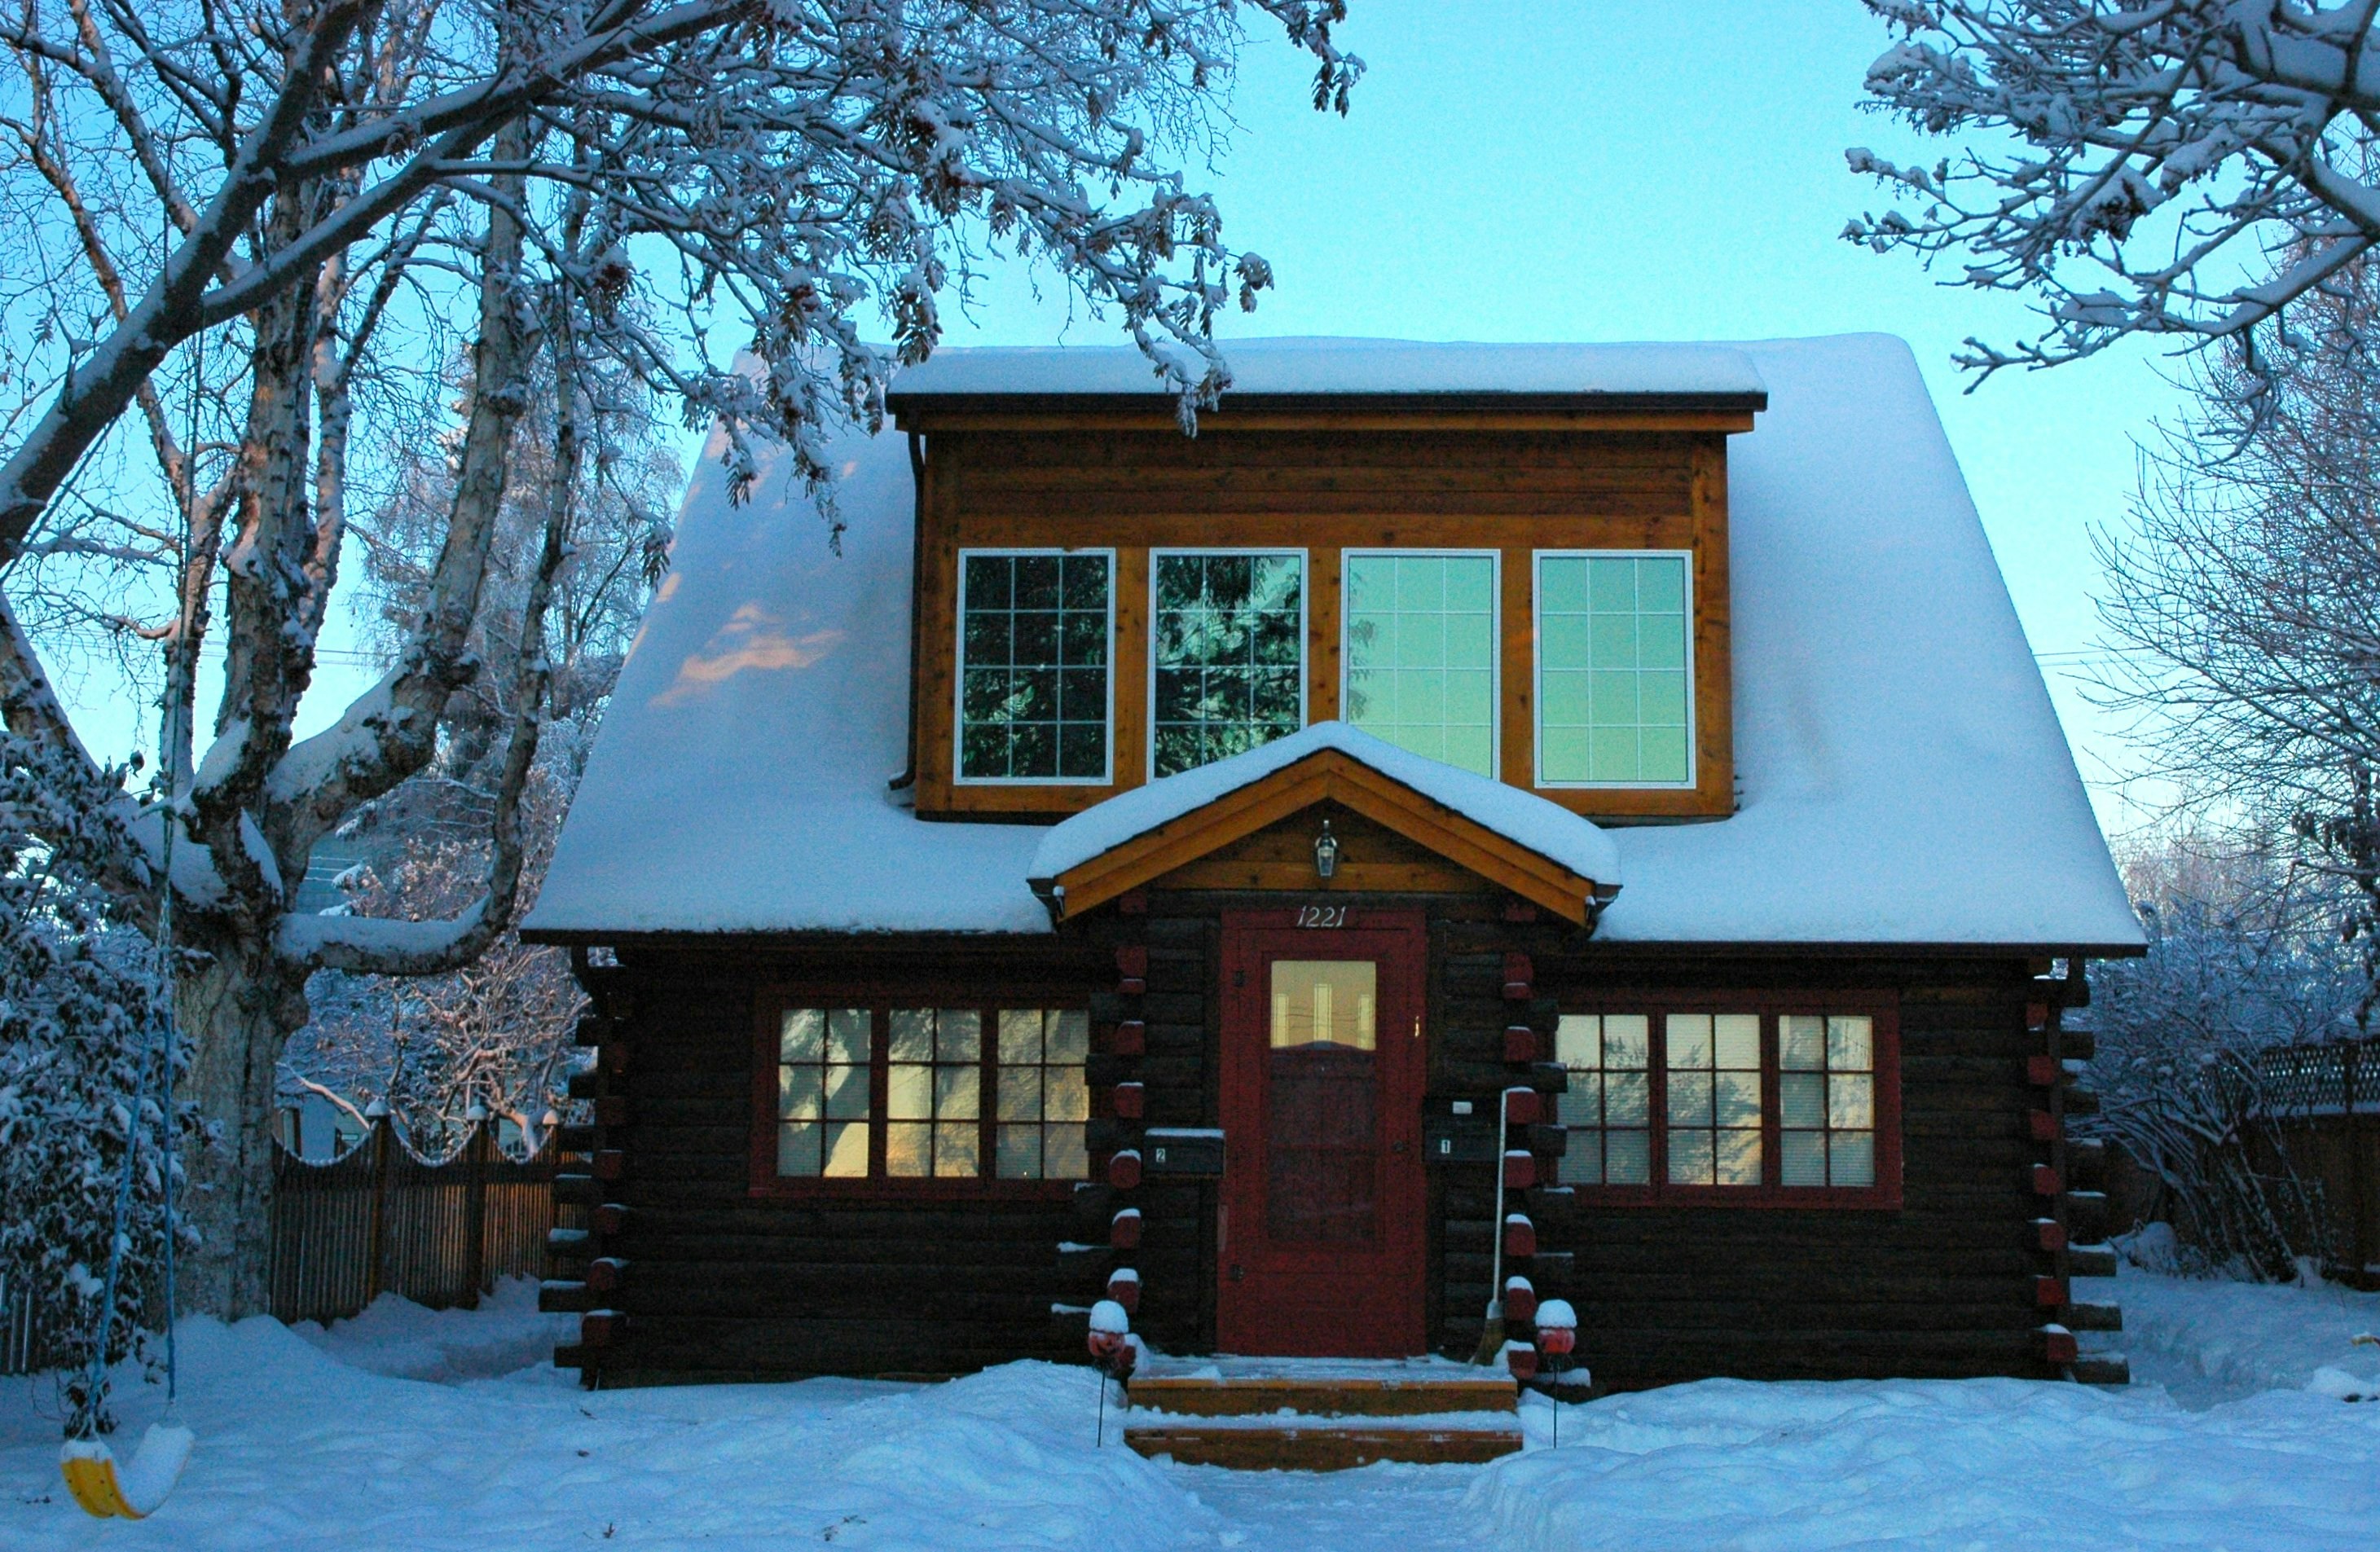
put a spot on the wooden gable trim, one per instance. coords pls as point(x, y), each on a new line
point(1324, 775)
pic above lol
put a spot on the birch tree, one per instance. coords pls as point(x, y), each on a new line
point(299, 186)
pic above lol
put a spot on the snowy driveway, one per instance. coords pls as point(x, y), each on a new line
point(301, 1448)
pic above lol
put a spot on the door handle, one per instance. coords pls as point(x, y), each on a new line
point(1238, 1271)
point(1399, 1145)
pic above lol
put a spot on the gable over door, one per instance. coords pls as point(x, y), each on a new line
point(1322, 1243)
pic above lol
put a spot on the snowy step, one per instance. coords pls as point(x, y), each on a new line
point(1321, 1388)
point(1324, 1444)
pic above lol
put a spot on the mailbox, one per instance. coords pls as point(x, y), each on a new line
point(1183, 1152)
point(1459, 1132)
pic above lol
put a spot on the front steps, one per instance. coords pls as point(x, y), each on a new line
point(1321, 1413)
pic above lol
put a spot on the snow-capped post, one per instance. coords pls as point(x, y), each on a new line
point(1112, 1353)
point(1557, 1338)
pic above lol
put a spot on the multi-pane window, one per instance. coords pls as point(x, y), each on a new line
point(945, 1094)
point(823, 1106)
point(1034, 649)
point(1420, 656)
point(1614, 691)
point(1826, 1099)
point(1718, 1105)
point(1043, 1097)
point(1229, 654)
point(1712, 1103)
point(1609, 1106)
point(933, 1093)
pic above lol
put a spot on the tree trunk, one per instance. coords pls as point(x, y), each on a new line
point(237, 1013)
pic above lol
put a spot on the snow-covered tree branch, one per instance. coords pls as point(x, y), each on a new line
point(2130, 165)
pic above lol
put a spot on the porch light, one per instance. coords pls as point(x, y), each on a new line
point(1326, 853)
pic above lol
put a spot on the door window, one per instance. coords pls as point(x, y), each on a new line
point(1322, 1138)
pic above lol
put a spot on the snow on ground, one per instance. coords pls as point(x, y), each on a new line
point(396, 1430)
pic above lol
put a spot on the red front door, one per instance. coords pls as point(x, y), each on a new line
point(1320, 1246)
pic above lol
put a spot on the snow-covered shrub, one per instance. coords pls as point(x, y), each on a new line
point(79, 1047)
point(2244, 955)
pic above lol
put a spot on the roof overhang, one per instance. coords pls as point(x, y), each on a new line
point(930, 411)
point(1226, 810)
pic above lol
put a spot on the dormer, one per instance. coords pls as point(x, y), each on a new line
point(1512, 559)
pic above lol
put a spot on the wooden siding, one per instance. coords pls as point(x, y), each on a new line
point(1323, 491)
point(722, 1284)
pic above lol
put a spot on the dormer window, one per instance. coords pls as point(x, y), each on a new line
point(1229, 657)
point(1615, 680)
point(1035, 629)
point(1420, 653)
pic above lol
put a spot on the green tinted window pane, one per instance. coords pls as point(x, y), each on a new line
point(1612, 754)
point(1613, 699)
point(802, 1037)
point(1033, 646)
point(1661, 585)
point(1564, 752)
point(1611, 586)
point(1661, 640)
point(1736, 1100)
point(1664, 755)
point(1421, 670)
point(1472, 748)
point(1736, 1040)
point(1578, 1040)
point(1562, 585)
point(1690, 1040)
point(1562, 641)
point(1801, 1042)
point(1661, 698)
point(1690, 1098)
point(1612, 641)
point(1565, 701)
point(1801, 1100)
point(1471, 585)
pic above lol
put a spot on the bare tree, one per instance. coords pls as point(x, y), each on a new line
point(2129, 162)
point(2246, 600)
point(305, 185)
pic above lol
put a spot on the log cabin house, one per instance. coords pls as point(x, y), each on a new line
point(1135, 864)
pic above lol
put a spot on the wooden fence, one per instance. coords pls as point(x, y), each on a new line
point(2324, 1102)
point(380, 1219)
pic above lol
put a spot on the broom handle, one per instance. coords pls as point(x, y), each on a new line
point(1496, 1229)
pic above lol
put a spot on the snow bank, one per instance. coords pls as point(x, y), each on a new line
point(1977, 1463)
point(402, 1340)
point(2209, 1340)
point(1524, 818)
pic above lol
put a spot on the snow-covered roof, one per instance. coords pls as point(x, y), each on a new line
point(1902, 776)
point(1521, 818)
point(1341, 367)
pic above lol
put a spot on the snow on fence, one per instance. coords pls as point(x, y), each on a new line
point(380, 1219)
point(2323, 1103)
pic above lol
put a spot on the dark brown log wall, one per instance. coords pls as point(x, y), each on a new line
point(719, 1285)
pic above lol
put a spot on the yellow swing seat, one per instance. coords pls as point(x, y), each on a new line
point(135, 1491)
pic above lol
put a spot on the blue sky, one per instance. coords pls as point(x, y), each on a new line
point(1583, 169)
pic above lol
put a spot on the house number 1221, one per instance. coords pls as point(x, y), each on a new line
point(1322, 916)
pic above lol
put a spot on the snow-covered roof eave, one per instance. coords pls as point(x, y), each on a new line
point(1521, 818)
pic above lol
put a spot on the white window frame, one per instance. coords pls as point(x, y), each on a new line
point(958, 669)
point(1495, 634)
point(1537, 672)
point(1305, 632)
